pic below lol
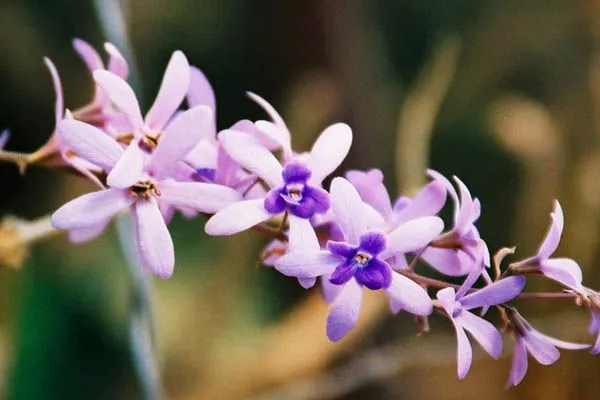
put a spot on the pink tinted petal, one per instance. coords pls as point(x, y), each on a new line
point(90, 143)
point(497, 293)
point(446, 261)
point(180, 137)
point(88, 54)
point(563, 344)
point(519, 363)
point(483, 331)
point(247, 151)
point(307, 264)
point(116, 63)
point(237, 217)
point(563, 270)
point(59, 108)
point(464, 352)
point(204, 197)
point(413, 235)
point(200, 91)
point(345, 201)
point(552, 238)
point(373, 219)
point(465, 214)
point(121, 94)
point(129, 168)
point(428, 201)
point(371, 189)
point(344, 311)
point(154, 240)
point(302, 236)
point(448, 185)
point(408, 295)
point(86, 234)
point(91, 209)
point(329, 150)
point(173, 89)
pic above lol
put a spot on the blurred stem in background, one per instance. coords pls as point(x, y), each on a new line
point(112, 16)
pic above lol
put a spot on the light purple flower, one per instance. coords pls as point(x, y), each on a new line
point(295, 187)
point(145, 132)
point(359, 260)
point(86, 216)
point(457, 306)
point(542, 347)
point(563, 270)
point(455, 252)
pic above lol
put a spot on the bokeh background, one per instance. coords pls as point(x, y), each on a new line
point(504, 94)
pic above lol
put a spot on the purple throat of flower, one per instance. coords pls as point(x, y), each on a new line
point(362, 262)
point(296, 195)
point(207, 175)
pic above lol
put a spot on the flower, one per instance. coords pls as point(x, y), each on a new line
point(457, 306)
point(145, 132)
point(563, 270)
point(543, 348)
point(359, 260)
point(88, 215)
point(295, 186)
point(455, 251)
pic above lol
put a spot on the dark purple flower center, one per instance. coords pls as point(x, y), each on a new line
point(205, 175)
point(361, 262)
point(296, 195)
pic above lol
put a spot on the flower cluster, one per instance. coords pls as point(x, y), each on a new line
point(349, 235)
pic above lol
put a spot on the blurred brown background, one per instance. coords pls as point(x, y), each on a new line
point(504, 94)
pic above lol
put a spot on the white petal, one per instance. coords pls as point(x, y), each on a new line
point(345, 201)
point(237, 217)
point(307, 264)
point(204, 197)
point(344, 311)
point(408, 295)
point(329, 150)
point(154, 240)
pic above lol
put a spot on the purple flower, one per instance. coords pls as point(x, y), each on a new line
point(359, 260)
point(454, 252)
point(86, 216)
point(563, 270)
point(543, 348)
point(295, 186)
point(457, 306)
point(145, 132)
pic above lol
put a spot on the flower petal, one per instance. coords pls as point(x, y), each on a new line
point(371, 189)
point(281, 135)
point(90, 143)
point(121, 94)
point(86, 234)
point(88, 54)
point(154, 240)
point(428, 201)
point(59, 108)
point(200, 91)
point(497, 293)
point(446, 261)
point(343, 273)
point(413, 235)
point(91, 209)
point(563, 270)
point(483, 331)
point(373, 242)
point(519, 363)
point(408, 295)
point(552, 238)
point(180, 137)
point(344, 311)
point(204, 197)
point(129, 168)
point(464, 352)
point(329, 290)
point(116, 63)
point(307, 283)
point(541, 349)
point(302, 236)
point(341, 249)
point(307, 264)
point(173, 89)
point(345, 201)
point(247, 151)
point(467, 209)
point(237, 217)
point(377, 275)
point(329, 150)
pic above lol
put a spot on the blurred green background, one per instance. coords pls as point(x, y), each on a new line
point(519, 100)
